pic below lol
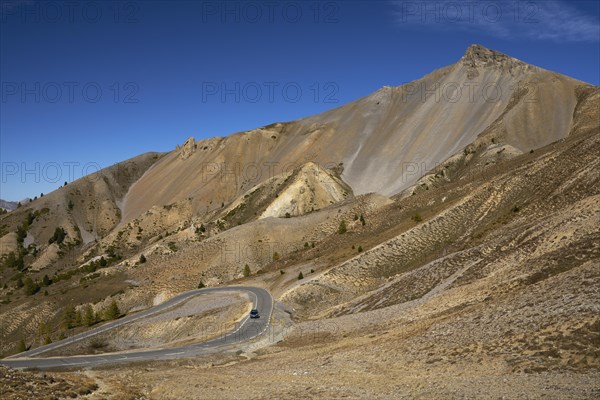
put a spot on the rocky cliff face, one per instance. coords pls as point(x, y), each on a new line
point(188, 148)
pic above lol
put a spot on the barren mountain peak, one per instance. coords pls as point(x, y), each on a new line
point(480, 52)
point(477, 55)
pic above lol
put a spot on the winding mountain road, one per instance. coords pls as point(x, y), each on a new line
point(247, 329)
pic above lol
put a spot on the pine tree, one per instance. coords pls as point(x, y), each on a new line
point(246, 271)
point(59, 236)
point(11, 260)
point(142, 259)
point(201, 285)
point(88, 315)
point(31, 287)
point(20, 263)
point(68, 317)
point(300, 276)
point(112, 312)
point(78, 318)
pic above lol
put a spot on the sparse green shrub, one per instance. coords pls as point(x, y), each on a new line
point(97, 343)
point(275, 256)
point(65, 276)
point(362, 219)
point(22, 346)
point(300, 276)
point(312, 271)
point(342, 228)
point(306, 245)
point(110, 252)
point(246, 270)
point(516, 209)
point(360, 249)
point(31, 287)
point(201, 285)
point(417, 217)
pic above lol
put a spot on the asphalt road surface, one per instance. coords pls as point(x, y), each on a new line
point(247, 329)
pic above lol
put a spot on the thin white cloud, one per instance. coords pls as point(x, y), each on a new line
point(538, 20)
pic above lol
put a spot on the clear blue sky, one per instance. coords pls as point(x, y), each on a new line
point(101, 82)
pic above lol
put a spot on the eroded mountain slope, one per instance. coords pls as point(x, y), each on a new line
point(384, 142)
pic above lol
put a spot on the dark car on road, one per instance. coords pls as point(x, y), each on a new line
point(254, 313)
